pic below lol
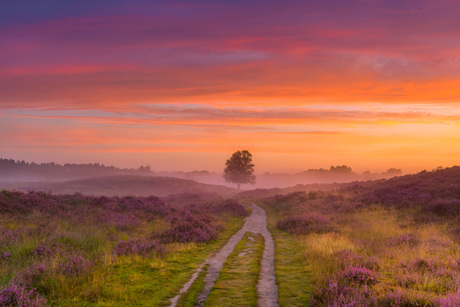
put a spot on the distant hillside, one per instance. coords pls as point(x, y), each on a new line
point(124, 185)
point(439, 188)
point(422, 187)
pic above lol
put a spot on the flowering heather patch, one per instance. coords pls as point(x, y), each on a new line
point(197, 209)
point(62, 246)
point(139, 247)
point(335, 294)
point(235, 208)
point(451, 300)
point(121, 221)
point(148, 207)
point(188, 227)
point(47, 249)
point(204, 209)
point(401, 298)
point(447, 207)
point(20, 204)
point(407, 239)
point(30, 276)
point(395, 299)
point(5, 255)
point(16, 295)
point(436, 192)
point(305, 224)
point(359, 276)
point(69, 206)
point(432, 274)
point(74, 265)
point(7, 237)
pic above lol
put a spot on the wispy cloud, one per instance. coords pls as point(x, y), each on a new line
point(353, 79)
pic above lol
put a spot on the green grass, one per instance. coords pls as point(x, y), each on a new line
point(188, 299)
point(236, 284)
point(305, 262)
point(139, 281)
point(293, 271)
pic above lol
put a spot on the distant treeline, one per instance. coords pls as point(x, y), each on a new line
point(21, 170)
point(343, 169)
point(346, 170)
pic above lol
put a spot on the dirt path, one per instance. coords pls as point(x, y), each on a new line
point(267, 288)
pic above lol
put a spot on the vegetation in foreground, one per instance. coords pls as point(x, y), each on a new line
point(189, 298)
point(293, 270)
point(387, 243)
point(236, 284)
point(80, 250)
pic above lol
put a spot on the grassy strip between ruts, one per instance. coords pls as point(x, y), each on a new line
point(293, 272)
point(139, 281)
point(236, 284)
point(188, 299)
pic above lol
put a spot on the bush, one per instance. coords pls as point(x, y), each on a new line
point(451, 300)
point(235, 208)
point(335, 294)
point(15, 295)
point(190, 228)
point(74, 265)
point(445, 207)
point(305, 224)
point(359, 276)
point(31, 276)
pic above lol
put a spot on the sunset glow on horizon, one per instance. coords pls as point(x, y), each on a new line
point(181, 85)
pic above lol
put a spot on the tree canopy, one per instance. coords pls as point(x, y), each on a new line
point(239, 168)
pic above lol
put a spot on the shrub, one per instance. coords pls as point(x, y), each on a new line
point(350, 287)
point(196, 231)
point(445, 207)
point(46, 249)
point(74, 265)
point(188, 227)
point(305, 224)
point(451, 300)
point(147, 207)
point(31, 276)
point(359, 276)
point(5, 256)
point(16, 295)
point(338, 295)
point(7, 237)
point(399, 298)
point(235, 208)
point(121, 221)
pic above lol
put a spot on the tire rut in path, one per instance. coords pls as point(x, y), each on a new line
point(267, 288)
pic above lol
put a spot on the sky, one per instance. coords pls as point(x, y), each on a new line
point(181, 85)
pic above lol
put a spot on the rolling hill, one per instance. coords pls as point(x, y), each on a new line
point(124, 185)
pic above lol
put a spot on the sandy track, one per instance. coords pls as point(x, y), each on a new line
point(267, 288)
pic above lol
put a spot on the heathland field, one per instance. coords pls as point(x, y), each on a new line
point(392, 242)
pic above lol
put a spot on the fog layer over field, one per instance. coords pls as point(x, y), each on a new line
point(16, 173)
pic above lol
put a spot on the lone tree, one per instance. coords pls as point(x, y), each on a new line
point(239, 168)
